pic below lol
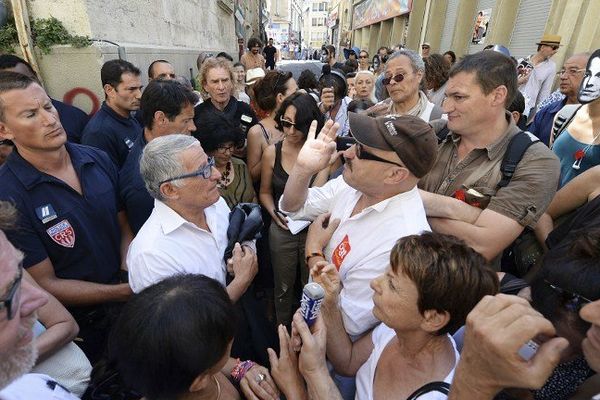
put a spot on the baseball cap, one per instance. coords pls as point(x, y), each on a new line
point(411, 138)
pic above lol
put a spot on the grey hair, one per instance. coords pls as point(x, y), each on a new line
point(416, 61)
point(161, 160)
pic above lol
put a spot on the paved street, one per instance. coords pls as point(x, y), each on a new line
point(296, 67)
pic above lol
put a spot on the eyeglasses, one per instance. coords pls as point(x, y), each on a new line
point(363, 154)
point(287, 124)
point(11, 302)
point(224, 149)
point(205, 171)
point(570, 72)
point(396, 78)
point(572, 301)
point(554, 47)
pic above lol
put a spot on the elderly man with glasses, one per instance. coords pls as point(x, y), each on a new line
point(187, 230)
point(403, 74)
point(570, 77)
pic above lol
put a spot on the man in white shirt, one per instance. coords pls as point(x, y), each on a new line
point(19, 301)
point(376, 201)
point(187, 230)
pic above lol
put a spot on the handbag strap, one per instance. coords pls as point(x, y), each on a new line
point(437, 386)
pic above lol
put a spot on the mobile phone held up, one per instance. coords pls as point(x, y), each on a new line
point(343, 143)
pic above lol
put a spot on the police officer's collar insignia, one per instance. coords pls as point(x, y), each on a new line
point(128, 143)
point(45, 213)
point(62, 233)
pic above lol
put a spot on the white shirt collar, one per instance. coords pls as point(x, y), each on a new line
point(170, 220)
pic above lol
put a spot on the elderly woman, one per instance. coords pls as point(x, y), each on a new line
point(432, 283)
point(172, 341)
point(436, 78)
point(364, 86)
point(269, 93)
point(235, 184)
point(287, 250)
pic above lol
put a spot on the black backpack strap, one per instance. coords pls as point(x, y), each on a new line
point(441, 387)
point(517, 147)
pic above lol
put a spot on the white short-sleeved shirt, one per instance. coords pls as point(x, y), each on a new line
point(167, 244)
point(35, 386)
point(360, 246)
point(365, 377)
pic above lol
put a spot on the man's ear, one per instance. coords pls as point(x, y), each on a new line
point(160, 117)
point(500, 94)
point(396, 175)
point(109, 91)
point(169, 191)
point(434, 320)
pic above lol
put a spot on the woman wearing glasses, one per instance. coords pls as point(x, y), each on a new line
point(235, 184)
point(363, 60)
point(287, 250)
point(269, 93)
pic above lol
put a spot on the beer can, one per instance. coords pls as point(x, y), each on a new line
point(312, 297)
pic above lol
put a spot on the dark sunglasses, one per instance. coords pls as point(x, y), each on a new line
point(554, 47)
point(287, 124)
point(396, 78)
point(572, 301)
point(204, 171)
point(11, 302)
point(363, 154)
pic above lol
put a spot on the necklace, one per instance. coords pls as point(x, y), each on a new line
point(218, 387)
point(224, 181)
point(580, 154)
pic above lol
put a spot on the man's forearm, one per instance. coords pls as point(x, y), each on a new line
point(440, 206)
point(296, 190)
point(463, 387)
point(236, 289)
point(320, 386)
point(339, 345)
point(71, 292)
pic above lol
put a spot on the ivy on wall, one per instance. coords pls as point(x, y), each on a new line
point(45, 33)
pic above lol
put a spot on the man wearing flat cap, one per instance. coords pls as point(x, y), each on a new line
point(537, 72)
point(373, 204)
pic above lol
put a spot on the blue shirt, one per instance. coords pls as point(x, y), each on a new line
point(112, 133)
point(544, 118)
point(565, 147)
point(132, 189)
point(72, 119)
point(79, 233)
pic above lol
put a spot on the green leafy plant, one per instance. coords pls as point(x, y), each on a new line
point(47, 32)
point(8, 37)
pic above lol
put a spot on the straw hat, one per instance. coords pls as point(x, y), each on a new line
point(550, 40)
point(254, 74)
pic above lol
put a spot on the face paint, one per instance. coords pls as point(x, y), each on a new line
point(590, 85)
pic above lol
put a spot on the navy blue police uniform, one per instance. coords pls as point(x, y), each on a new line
point(236, 114)
point(112, 133)
point(132, 190)
point(79, 233)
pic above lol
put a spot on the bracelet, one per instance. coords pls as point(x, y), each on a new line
point(311, 255)
point(239, 371)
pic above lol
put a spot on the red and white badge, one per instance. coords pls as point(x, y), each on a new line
point(341, 251)
point(62, 233)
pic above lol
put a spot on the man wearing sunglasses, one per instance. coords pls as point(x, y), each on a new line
point(70, 227)
point(402, 76)
point(372, 204)
point(19, 301)
point(536, 83)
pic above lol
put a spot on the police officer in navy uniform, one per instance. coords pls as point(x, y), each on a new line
point(222, 109)
point(72, 118)
point(167, 107)
point(113, 128)
point(69, 227)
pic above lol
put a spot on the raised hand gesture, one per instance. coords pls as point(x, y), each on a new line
point(317, 151)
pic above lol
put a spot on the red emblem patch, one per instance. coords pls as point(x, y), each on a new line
point(341, 251)
point(62, 233)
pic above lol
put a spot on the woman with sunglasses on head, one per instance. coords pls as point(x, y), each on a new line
point(235, 184)
point(269, 93)
point(294, 117)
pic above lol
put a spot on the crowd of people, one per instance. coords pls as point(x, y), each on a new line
point(449, 208)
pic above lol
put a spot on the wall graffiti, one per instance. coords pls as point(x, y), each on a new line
point(71, 94)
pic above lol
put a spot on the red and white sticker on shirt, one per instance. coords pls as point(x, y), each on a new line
point(62, 233)
point(341, 251)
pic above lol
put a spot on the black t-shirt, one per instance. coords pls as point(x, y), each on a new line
point(236, 113)
point(269, 52)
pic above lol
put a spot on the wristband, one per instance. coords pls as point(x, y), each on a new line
point(315, 254)
point(239, 371)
